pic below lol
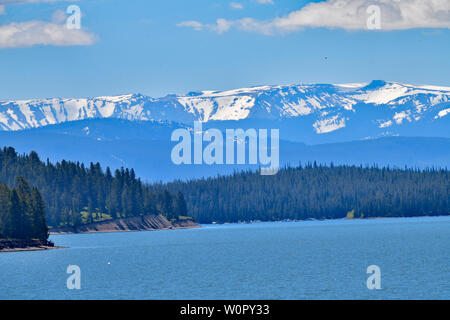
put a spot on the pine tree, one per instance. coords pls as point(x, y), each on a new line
point(16, 221)
point(5, 217)
point(166, 205)
point(180, 207)
point(40, 229)
point(25, 208)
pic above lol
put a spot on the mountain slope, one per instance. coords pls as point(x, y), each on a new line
point(367, 110)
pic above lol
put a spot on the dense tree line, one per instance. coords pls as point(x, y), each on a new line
point(318, 191)
point(22, 212)
point(75, 194)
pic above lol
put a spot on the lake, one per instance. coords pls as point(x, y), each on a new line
point(273, 260)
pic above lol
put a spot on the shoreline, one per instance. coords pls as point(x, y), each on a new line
point(40, 248)
point(15, 245)
point(320, 220)
point(140, 223)
point(133, 224)
point(122, 231)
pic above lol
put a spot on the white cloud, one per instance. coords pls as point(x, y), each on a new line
point(59, 17)
point(31, 33)
point(265, 1)
point(191, 24)
point(350, 15)
point(221, 25)
point(236, 5)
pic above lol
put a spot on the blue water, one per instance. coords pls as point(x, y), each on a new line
point(280, 260)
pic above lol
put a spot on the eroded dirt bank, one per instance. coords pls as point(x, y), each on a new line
point(142, 223)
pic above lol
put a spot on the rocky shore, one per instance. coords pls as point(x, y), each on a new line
point(11, 245)
point(142, 223)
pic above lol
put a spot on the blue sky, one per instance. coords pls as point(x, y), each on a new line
point(176, 46)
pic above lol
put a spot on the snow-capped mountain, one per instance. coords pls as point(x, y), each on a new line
point(328, 108)
point(377, 123)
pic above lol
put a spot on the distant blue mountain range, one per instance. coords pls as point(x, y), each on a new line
point(146, 147)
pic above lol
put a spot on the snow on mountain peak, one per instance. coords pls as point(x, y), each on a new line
point(330, 107)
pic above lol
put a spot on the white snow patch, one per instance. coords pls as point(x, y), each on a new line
point(296, 109)
point(235, 91)
point(383, 95)
point(233, 108)
point(400, 116)
point(437, 88)
point(329, 125)
point(443, 113)
point(351, 85)
point(107, 109)
point(313, 102)
point(120, 98)
point(385, 124)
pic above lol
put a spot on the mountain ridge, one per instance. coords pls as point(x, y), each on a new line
point(322, 108)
